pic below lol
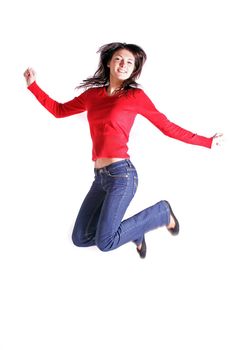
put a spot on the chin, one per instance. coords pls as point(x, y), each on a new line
point(123, 78)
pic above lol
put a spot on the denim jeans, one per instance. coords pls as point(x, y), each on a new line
point(99, 221)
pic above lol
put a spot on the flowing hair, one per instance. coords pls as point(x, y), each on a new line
point(102, 75)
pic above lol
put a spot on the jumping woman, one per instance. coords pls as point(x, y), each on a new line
point(112, 99)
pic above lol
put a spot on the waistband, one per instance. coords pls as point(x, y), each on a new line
point(115, 165)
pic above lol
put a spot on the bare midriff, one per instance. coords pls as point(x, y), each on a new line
point(102, 162)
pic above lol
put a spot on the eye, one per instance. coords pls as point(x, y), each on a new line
point(130, 62)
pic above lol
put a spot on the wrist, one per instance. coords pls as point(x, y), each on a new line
point(29, 84)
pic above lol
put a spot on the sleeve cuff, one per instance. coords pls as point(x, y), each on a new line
point(32, 86)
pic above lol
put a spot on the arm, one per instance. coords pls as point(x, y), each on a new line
point(148, 110)
point(59, 110)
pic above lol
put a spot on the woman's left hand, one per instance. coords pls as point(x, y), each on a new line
point(217, 140)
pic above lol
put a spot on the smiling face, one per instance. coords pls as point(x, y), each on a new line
point(121, 66)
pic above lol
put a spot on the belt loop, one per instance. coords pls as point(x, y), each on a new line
point(129, 163)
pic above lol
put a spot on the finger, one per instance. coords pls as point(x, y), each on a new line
point(218, 135)
point(32, 72)
point(219, 141)
point(27, 72)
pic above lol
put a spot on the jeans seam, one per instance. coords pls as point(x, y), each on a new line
point(122, 198)
point(90, 220)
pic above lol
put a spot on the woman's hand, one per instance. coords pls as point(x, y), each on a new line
point(217, 140)
point(30, 76)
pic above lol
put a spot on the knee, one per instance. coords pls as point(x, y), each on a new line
point(81, 239)
point(76, 241)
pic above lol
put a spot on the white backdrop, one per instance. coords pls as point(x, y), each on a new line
point(54, 295)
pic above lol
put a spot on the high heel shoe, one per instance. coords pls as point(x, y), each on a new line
point(175, 230)
point(142, 251)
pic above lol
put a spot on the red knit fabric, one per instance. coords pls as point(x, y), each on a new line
point(111, 118)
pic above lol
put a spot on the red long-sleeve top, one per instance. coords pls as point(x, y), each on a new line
point(111, 118)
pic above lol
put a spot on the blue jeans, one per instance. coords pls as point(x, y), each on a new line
point(99, 221)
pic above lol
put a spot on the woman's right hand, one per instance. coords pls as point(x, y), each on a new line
point(30, 76)
point(218, 140)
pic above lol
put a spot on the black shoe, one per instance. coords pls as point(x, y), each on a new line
point(174, 231)
point(142, 251)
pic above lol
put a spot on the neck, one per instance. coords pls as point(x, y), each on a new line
point(112, 89)
point(114, 85)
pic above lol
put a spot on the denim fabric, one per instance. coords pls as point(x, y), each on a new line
point(99, 221)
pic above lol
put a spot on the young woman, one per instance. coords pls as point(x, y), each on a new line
point(112, 100)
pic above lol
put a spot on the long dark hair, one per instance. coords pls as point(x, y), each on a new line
point(102, 75)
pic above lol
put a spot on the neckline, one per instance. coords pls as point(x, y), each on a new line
point(107, 94)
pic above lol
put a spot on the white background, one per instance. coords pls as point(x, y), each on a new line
point(54, 295)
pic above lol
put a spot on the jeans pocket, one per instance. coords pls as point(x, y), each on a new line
point(118, 172)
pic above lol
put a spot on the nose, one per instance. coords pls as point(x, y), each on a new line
point(122, 63)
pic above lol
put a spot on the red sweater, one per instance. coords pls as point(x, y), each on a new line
point(111, 118)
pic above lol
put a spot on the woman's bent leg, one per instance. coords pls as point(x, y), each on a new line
point(120, 182)
point(99, 221)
